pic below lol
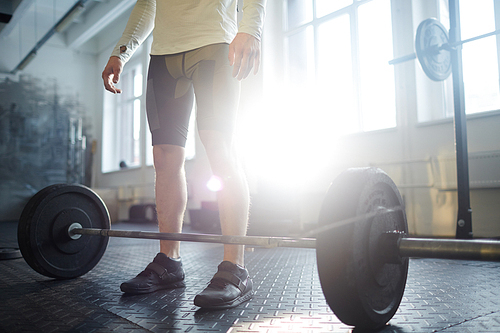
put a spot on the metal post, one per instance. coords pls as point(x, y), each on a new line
point(464, 217)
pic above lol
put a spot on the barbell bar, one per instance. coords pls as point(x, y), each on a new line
point(445, 46)
point(268, 242)
point(401, 246)
point(361, 245)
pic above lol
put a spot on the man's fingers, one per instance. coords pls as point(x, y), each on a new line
point(231, 55)
point(248, 62)
point(111, 88)
point(106, 78)
point(257, 63)
point(244, 55)
point(111, 75)
point(245, 68)
point(108, 84)
point(236, 64)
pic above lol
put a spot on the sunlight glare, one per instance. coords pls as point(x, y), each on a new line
point(214, 184)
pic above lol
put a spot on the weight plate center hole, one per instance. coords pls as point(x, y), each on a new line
point(64, 222)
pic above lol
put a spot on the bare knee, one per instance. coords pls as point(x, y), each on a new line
point(219, 151)
point(168, 158)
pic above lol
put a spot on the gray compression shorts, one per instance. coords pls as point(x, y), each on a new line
point(174, 81)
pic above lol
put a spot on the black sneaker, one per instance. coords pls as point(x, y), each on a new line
point(162, 273)
point(229, 287)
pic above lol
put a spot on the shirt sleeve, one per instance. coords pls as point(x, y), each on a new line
point(139, 26)
point(252, 21)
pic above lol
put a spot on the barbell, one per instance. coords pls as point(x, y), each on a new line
point(361, 245)
point(432, 49)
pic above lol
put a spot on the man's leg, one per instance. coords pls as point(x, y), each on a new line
point(171, 193)
point(217, 95)
point(231, 285)
point(165, 272)
point(234, 198)
point(169, 101)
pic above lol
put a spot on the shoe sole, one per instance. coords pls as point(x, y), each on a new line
point(234, 303)
point(138, 291)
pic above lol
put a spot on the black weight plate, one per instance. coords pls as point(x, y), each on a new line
point(22, 235)
point(359, 287)
point(431, 34)
point(42, 231)
point(7, 253)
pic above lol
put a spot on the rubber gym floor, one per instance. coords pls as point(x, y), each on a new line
point(440, 296)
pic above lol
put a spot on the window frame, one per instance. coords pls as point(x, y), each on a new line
point(112, 109)
point(425, 89)
point(352, 12)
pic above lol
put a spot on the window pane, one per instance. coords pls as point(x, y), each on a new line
point(377, 91)
point(137, 132)
point(124, 142)
point(127, 84)
point(299, 12)
point(301, 57)
point(444, 13)
point(137, 119)
point(335, 76)
point(137, 83)
point(149, 149)
point(324, 7)
point(121, 127)
point(480, 58)
point(108, 136)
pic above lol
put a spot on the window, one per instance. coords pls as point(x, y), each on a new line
point(480, 65)
point(122, 122)
point(330, 45)
point(480, 58)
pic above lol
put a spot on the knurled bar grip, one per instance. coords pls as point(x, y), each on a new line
point(481, 250)
point(204, 238)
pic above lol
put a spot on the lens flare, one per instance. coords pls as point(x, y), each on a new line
point(214, 184)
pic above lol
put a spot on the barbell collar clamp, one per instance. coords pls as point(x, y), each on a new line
point(71, 228)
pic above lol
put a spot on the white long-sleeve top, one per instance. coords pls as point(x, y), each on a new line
point(183, 25)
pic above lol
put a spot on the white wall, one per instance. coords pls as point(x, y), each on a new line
point(74, 71)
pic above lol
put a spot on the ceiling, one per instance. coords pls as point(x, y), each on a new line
point(26, 25)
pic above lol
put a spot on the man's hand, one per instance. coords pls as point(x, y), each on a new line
point(111, 74)
point(244, 54)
